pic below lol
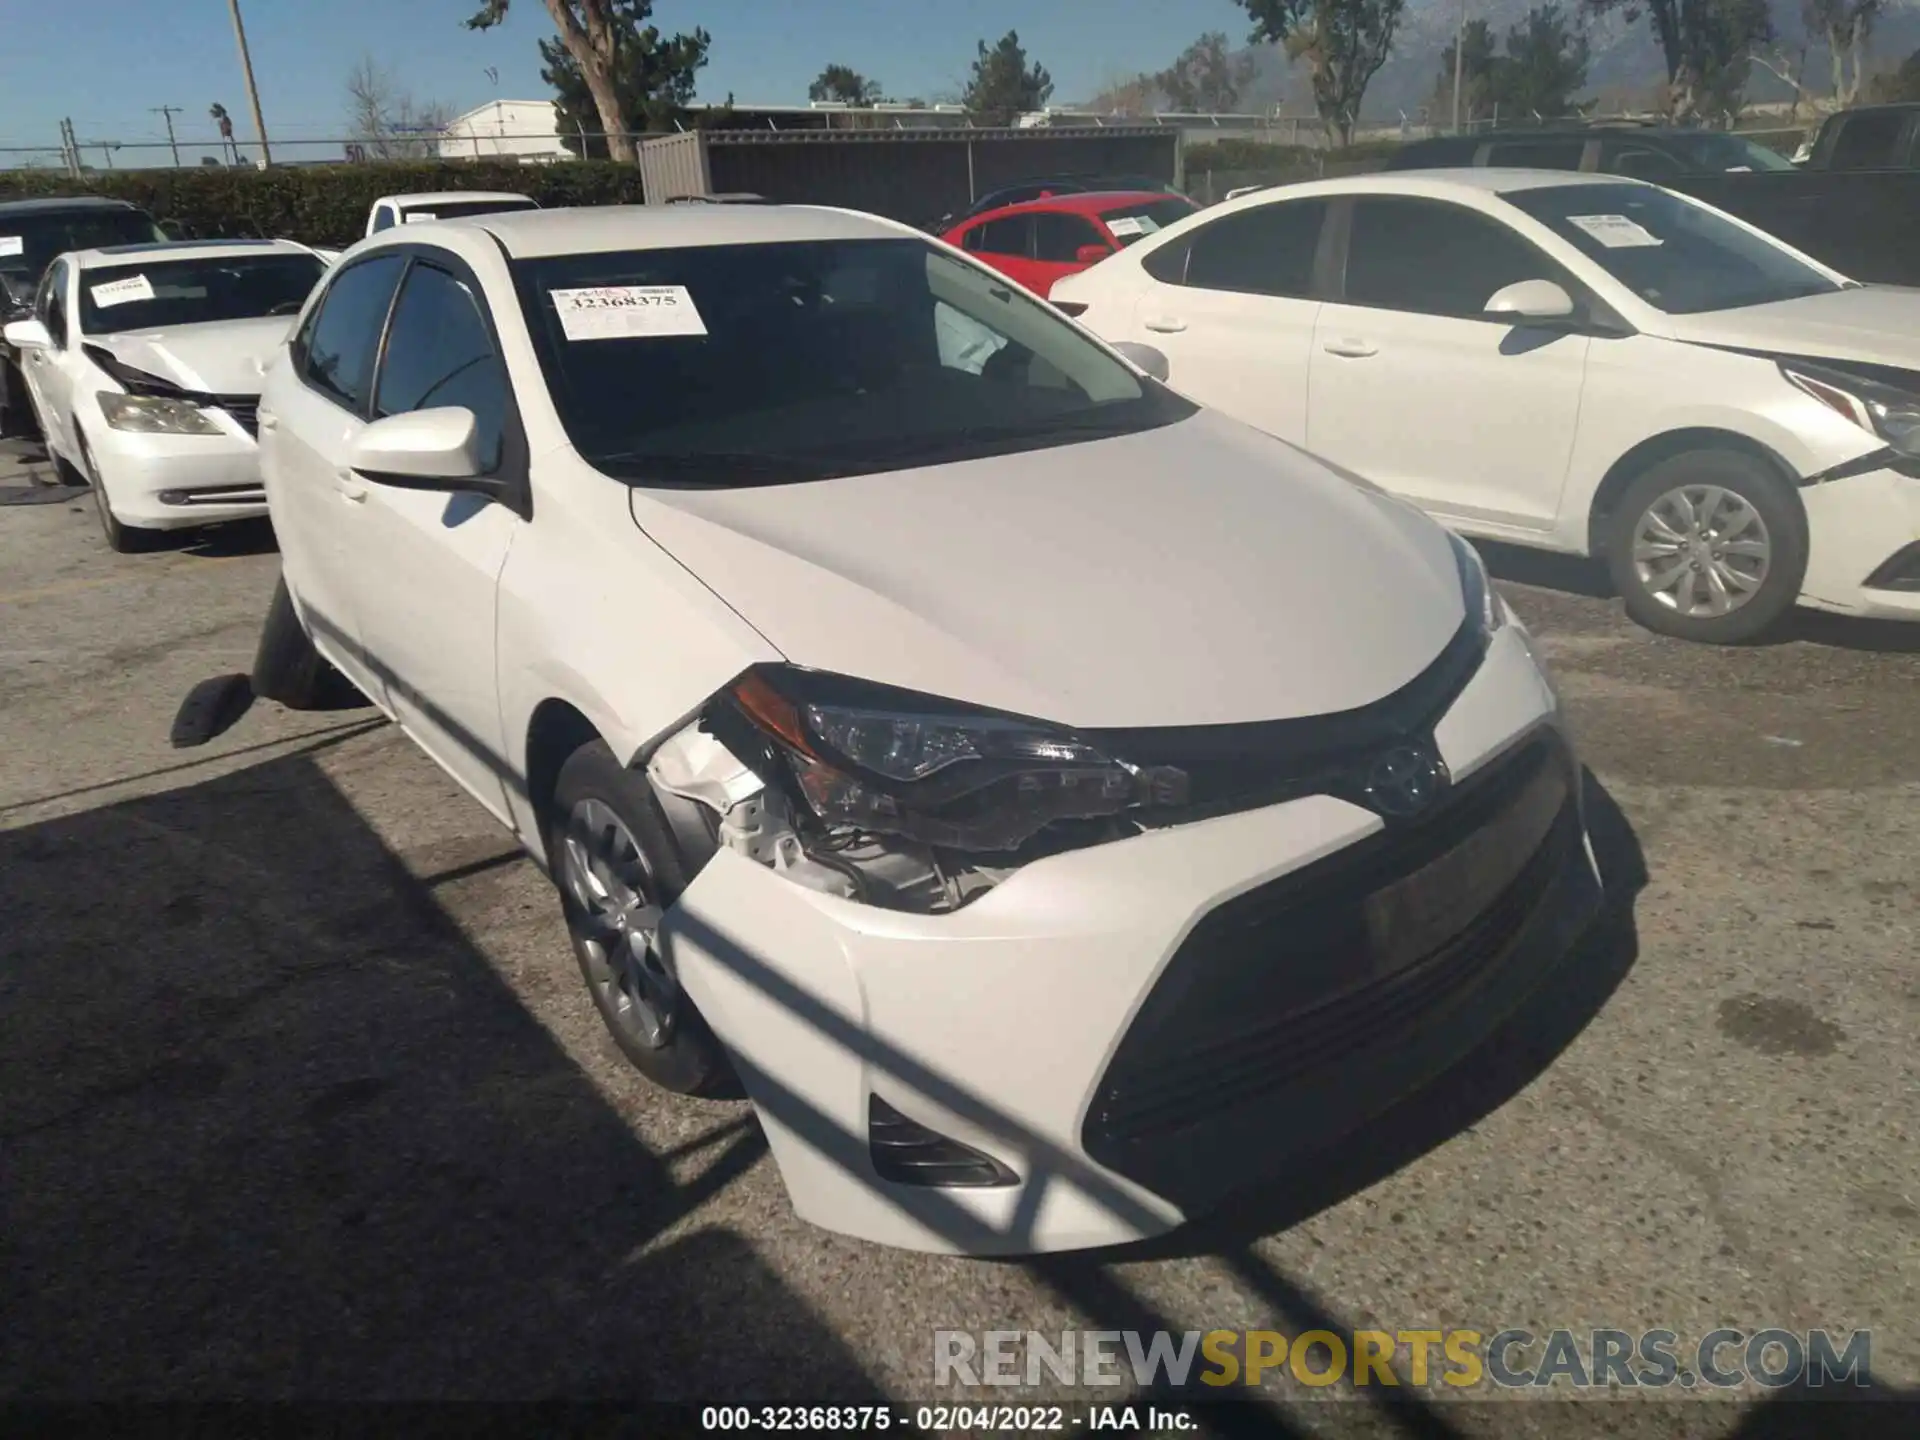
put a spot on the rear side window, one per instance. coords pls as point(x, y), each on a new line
point(1268, 250)
point(440, 352)
point(1869, 141)
point(339, 342)
point(1012, 235)
point(1642, 163)
point(1058, 237)
point(1537, 154)
point(383, 218)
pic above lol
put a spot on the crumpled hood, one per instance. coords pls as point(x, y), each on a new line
point(1878, 324)
point(1202, 573)
point(220, 357)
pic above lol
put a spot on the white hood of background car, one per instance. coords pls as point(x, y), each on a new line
point(1202, 573)
point(220, 357)
point(1877, 324)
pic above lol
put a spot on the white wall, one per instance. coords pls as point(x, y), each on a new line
point(512, 129)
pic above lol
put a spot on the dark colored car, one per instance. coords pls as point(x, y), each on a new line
point(1854, 205)
point(1043, 187)
point(1646, 152)
point(1870, 137)
point(32, 233)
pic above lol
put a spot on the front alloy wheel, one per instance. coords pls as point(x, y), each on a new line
point(1702, 551)
point(617, 923)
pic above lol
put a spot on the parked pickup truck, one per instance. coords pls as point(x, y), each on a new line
point(391, 210)
point(1854, 204)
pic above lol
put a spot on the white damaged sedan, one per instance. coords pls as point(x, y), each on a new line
point(1059, 806)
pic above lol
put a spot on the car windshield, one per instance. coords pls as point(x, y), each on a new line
point(1709, 151)
point(459, 209)
point(1140, 218)
point(158, 293)
point(1675, 255)
point(29, 242)
point(752, 364)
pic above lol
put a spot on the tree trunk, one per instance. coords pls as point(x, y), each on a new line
point(606, 100)
point(1837, 55)
point(1859, 52)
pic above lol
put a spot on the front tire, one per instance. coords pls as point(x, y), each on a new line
point(286, 666)
point(617, 868)
point(121, 539)
point(1709, 546)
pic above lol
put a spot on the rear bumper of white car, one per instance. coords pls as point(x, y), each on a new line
point(1136, 1030)
point(1864, 557)
point(172, 482)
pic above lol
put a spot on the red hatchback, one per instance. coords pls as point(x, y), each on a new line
point(1040, 241)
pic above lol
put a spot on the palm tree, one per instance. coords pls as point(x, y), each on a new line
point(225, 122)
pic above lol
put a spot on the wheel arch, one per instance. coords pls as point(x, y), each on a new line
point(554, 731)
point(1651, 451)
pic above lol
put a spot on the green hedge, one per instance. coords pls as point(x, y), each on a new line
point(321, 204)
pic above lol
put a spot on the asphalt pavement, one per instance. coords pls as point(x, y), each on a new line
point(301, 1095)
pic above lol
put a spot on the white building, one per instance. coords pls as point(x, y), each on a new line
point(523, 130)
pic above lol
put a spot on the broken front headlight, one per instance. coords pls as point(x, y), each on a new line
point(937, 772)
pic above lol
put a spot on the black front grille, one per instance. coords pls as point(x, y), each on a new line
point(245, 409)
point(1279, 984)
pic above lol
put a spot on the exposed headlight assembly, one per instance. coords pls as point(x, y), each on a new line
point(1885, 410)
point(932, 771)
point(1485, 608)
point(155, 415)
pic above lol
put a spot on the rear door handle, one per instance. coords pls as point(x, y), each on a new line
point(1350, 349)
point(1165, 325)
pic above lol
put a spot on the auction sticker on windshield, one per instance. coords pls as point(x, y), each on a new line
point(13, 245)
point(624, 312)
point(1616, 232)
point(119, 292)
point(1132, 225)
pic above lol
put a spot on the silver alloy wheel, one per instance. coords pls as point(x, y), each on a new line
point(1702, 551)
point(618, 922)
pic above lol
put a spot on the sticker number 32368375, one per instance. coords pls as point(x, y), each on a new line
point(621, 312)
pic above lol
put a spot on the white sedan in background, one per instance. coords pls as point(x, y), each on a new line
point(144, 364)
point(1582, 363)
point(1056, 803)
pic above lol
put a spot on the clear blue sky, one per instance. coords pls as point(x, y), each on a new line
point(135, 54)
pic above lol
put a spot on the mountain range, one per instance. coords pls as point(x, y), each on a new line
point(1624, 71)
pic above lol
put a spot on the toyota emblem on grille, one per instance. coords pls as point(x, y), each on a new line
point(1404, 780)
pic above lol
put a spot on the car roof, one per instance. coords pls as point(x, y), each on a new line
point(1079, 202)
point(446, 197)
point(1485, 179)
point(530, 234)
point(184, 250)
point(59, 203)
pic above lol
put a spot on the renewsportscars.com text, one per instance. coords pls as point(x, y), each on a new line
point(1510, 1359)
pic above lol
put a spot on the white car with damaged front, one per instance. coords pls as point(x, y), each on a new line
point(1579, 363)
point(144, 364)
point(1056, 804)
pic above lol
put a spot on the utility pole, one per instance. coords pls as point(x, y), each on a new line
point(1459, 57)
point(169, 111)
point(69, 149)
point(253, 93)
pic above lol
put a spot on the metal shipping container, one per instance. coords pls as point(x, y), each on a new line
point(910, 175)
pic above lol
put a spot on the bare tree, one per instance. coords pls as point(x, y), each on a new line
point(1847, 27)
point(1788, 65)
point(385, 121)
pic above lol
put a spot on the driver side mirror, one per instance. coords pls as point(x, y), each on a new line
point(1090, 254)
point(27, 335)
point(1531, 301)
point(436, 450)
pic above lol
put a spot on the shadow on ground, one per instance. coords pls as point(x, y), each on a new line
point(273, 1128)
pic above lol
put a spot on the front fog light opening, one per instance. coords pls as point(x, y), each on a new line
point(905, 1152)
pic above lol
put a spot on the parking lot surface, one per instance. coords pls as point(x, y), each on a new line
point(302, 1096)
